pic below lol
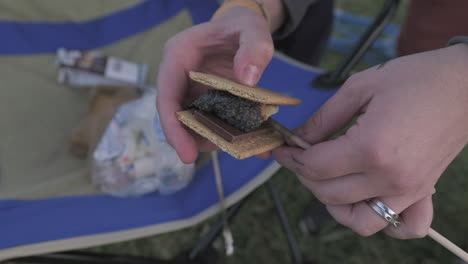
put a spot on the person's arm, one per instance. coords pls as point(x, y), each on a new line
point(277, 13)
point(284, 15)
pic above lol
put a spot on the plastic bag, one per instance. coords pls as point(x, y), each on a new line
point(133, 157)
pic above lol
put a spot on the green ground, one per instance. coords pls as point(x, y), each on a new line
point(259, 238)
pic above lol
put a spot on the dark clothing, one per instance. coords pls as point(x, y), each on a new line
point(431, 23)
point(458, 40)
point(306, 31)
point(295, 10)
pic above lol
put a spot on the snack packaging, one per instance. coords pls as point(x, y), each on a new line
point(133, 157)
point(92, 68)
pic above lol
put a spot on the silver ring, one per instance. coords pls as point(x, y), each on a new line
point(383, 210)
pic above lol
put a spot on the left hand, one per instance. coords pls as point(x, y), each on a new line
point(236, 45)
point(413, 121)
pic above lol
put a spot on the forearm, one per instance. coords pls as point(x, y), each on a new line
point(276, 11)
point(284, 15)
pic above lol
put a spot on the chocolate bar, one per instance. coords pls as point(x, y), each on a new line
point(224, 130)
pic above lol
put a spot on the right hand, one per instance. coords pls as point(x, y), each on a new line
point(236, 45)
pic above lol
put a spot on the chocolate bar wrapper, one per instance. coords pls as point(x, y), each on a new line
point(92, 68)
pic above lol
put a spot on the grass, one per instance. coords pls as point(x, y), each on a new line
point(259, 238)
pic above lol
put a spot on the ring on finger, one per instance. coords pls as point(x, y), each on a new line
point(383, 210)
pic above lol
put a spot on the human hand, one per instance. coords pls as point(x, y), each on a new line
point(412, 123)
point(236, 45)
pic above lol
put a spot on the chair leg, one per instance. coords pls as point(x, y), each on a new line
point(217, 228)
point(77, 257)
point(292, 242)
point(334, 79)
point(214, 232)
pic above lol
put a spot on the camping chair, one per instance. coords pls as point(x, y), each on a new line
point(33, 224)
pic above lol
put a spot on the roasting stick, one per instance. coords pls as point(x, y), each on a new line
point(432, 233)
point(227, 235)
point(448, 244)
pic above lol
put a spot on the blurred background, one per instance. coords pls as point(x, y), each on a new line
point(256, 228)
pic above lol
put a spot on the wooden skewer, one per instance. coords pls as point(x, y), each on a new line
point(288, 134)
point(449, 245)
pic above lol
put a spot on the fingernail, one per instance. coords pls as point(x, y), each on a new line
point(250, 75)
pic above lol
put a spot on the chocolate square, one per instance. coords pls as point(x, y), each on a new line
point(225, 130)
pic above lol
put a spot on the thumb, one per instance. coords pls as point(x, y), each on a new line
point(336, 113)
point(255, 52)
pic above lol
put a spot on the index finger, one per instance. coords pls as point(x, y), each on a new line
point(322, 161)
